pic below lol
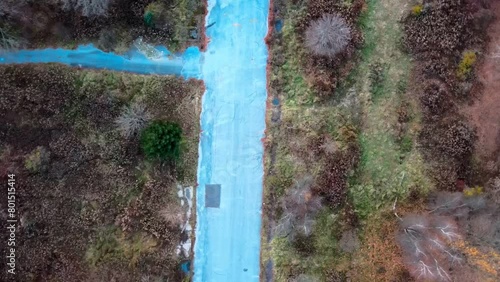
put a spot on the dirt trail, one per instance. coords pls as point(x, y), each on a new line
point(485, 112)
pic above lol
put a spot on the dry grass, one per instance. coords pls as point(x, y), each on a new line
point(379, 258)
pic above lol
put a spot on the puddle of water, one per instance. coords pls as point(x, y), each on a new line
point(278, 25)
point(276, 101)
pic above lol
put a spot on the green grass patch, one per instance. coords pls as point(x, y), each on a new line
point(381, 79)
point(111, 244)
point(296, 88)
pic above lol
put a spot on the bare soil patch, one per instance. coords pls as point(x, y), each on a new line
point(484, 113)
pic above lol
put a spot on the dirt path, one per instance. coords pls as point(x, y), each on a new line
point(485, 112)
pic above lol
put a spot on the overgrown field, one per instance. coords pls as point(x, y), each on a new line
point(351, 164)
point(110, 25)
point(92, 204)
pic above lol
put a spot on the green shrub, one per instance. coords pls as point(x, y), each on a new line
point(162, 141)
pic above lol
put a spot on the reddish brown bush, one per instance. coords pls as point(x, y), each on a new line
point(332, 183)
point(452, 138)
point(444, 26)
point(435, 100)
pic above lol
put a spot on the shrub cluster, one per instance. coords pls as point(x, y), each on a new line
point(445, 27)
point(448, 144)
point(435, 99)
point(438, 37)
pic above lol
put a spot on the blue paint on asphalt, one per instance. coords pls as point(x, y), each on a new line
point(227, 247)
point(88, 56)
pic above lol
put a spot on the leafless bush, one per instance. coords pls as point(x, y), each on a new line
point(173, 214)
point(328, 35)
point(89, 8)
point(425, 241)
point(349, 241)
point(132, 120)
point(7, 41)
point(299, 209)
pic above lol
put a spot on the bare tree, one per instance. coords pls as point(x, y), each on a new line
point(300, 207)
point(425, 241)
point(328, 35)
point(89, 8)
point(132, 120)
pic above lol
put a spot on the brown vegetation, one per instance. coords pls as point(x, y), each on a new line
point(89, 205)
point(111, 25)
point(439, 38)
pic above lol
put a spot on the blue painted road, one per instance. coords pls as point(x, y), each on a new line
point(227, 246)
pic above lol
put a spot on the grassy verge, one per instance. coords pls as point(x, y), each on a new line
point(390, 165)
point(370, 107)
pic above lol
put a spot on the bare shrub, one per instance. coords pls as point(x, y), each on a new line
point(88, 8)
point(300, 207)
point(328, 35)
point(132, 120)
point(349, 241)
point(495, 189)
point(7, 41)
point(11, 7)
point(173, 214)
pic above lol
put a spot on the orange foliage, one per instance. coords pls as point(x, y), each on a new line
point(379, 258)
point(488, 261)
